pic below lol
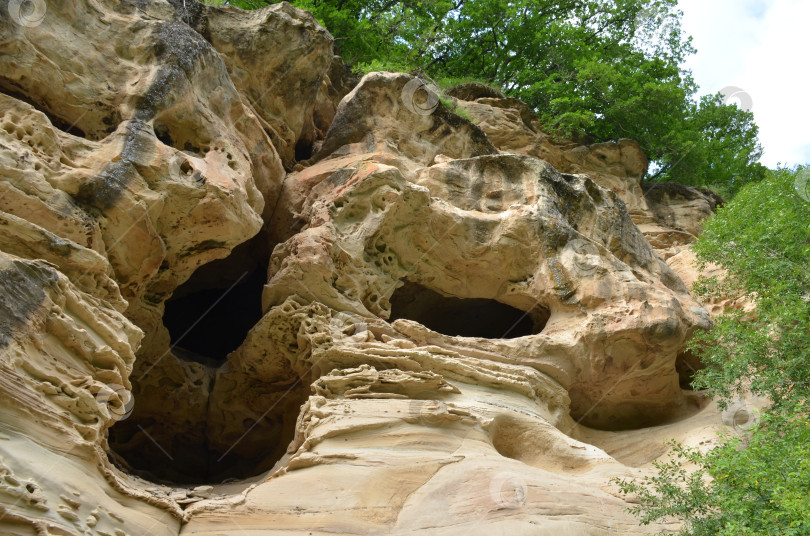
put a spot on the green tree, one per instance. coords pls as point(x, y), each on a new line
point(763, 239)
point(714, 145)
point(597, 69)
point(757, 484)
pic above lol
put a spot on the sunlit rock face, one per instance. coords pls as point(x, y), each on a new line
point(243, 292)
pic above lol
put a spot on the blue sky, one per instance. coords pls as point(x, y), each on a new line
point(762, 47)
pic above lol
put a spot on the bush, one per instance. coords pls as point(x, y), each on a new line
point(757, 483)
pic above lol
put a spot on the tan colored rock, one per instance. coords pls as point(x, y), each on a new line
point(385, 114)
point(463, 327)
point(685, 264)
point(618, 166)
point(182, 204)
point(281, 88)
point(65, 358)
point(423, 430)
point(681, 207)
point(134, 160)
point(504, 228)
point(669, 215)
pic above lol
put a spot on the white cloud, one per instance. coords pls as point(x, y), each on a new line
point(762, 47)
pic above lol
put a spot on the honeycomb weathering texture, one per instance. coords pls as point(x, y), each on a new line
point(465, 325)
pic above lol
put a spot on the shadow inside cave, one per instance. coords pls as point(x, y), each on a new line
point(465, 317)
point(193, 424)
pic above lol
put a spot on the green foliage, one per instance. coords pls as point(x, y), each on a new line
point(452, 105)
point(599, 69)
point(674, 492)
point(756, 486)
point(381, 65)
point(447, 82)
point(760, 484)
point(762, 238)
point(716, 143)
point(591, 67)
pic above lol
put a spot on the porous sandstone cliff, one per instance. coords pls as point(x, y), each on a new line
point(245, 293)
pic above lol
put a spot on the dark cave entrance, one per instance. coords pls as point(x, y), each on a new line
point(206, 324)
point(687, 364)
point(181, 449)
point(193, 424)
point(465, 317)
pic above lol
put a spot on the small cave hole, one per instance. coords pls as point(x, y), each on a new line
point(186, 168)
point(303, 150)
point(687, 364)
point(162, 134)
point(465, 317)
point(206, 324)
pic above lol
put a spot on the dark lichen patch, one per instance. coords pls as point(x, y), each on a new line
point(161, 94)
point(205, 245)
point(561, 283)
point(128, 7)
point(22, 292)
point(340, 177)
point(481, 145)
point(60, 246)
point(191, 13)
point(104, 190)
point(179, 45)
point(179, 49)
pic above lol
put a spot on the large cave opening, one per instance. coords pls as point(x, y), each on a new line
point(465, 317)
point(197, 419)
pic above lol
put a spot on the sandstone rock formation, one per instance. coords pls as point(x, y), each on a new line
point(243, 292)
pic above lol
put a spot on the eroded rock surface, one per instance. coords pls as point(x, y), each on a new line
point(431, 326)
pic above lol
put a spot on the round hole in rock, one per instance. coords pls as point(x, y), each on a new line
point(465, 317)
